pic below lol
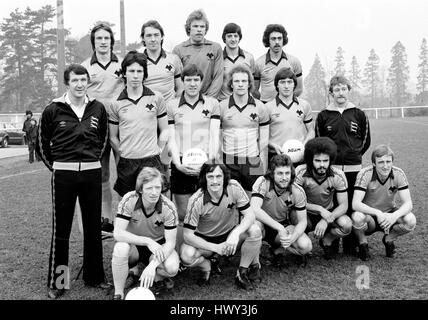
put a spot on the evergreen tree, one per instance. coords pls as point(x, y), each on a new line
point(315, 85)
point(355, 78)
point(339, 68)
point(371, 75)
point(398, 74)
point(422, 84)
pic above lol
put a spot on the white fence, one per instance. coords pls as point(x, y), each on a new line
point(395, 112)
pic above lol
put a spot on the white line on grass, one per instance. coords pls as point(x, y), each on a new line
point(20, 174)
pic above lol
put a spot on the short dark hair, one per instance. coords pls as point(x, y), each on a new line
point(274, 28)
point(76, 69)
point(240, 68)
point(380, 151)
point(103, 26)
point(196, 15)
point(153, 24)
point(285, 73)
point(280, 160)
point(132, 57)
point(316, 146)
point(208, 167)
point(339, 80)
point(191, 70)
point(28, 112)
point(231, 28)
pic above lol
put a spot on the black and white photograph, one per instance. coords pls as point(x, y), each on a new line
point(213, 155)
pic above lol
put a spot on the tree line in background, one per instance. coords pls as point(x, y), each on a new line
point(28, 48)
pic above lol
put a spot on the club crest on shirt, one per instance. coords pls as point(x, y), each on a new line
point(210, 55)
point(150, 107)
point(168, 67)
point(206, 113)
point(288, 202)
point(253, 116)
point(392, 189)
point(299, 112)
point(330, 189)
point(158, 223)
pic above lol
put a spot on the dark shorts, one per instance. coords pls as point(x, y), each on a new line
point(144, 252)
point(182, 183)
point(128, 170)
point(105, 163)
point(244, 170)
point(313, 220)
point(216, 239)
point(270, 234)
point(378, 228)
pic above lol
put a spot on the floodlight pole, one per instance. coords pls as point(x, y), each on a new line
point(60, 46)
point(122, 28)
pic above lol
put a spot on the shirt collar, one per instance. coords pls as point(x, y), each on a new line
point(207, 197)
point(183, 100)
point(68, 101)
point(332, 106)
point(279, 101)
point(268, 59)
point(375, 176)
point(240, 53)
point(162, 55)
point(188, 43)
point(124, 94)
point(113, 58)
point(232, 101)
point(139, 204)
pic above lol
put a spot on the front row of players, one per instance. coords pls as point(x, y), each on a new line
point(286, 205)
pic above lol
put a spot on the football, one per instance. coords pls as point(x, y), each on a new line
point(294, 149)
point(140, 293)
point(194, 157)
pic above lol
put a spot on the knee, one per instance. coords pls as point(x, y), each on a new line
point(171, 264)
point(254, 231)
point(358, 218)
point(121, 249)
point(409, 221)
point(345, 224)
point(304, 244)
point(187, 254)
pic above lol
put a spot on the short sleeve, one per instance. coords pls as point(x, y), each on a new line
point(297, 66)
point(307, 112)
point(363, 179)
point(194, 210)
point(299, 197)
point(215, 113)
point(178, 66)
point(161, 110)
point(170, 111)
point(402, 182)
point(264, 118)
point(126, 206)
point(299, 179)
point(170, 215)
point(260, 188)
point(340, 181)
point(113, 113)
point(239, 196)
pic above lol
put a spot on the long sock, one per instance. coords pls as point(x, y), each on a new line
point(250, 251)
point(120, 268)
point(359, 232)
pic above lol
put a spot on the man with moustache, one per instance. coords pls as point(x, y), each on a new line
point(280, 208)
point(275, 38)
point(348, 126)
point(219, 221)
point(323, 183)
point(205, 54)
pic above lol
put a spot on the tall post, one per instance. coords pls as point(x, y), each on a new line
point(122, 28)
point(60, 46)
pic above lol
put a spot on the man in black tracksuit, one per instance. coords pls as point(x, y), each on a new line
point(348, 126)
point(72, 136)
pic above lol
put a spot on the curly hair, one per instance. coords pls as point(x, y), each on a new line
point(316, 146)
point(274, 28)
point(280, 160)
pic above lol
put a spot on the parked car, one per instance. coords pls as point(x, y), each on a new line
point(11, 134)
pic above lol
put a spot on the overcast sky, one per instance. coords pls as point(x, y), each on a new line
point(313, 26)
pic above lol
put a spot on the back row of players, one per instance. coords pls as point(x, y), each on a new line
point(158, 107)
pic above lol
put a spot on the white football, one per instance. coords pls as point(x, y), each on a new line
point(294, 149)
point(194, 157)
point(140, 293)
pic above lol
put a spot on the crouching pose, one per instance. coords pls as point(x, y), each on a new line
point(376, 189)
point(322, 184)
point(280, 208)
point(145, 230)
point(213, 227)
